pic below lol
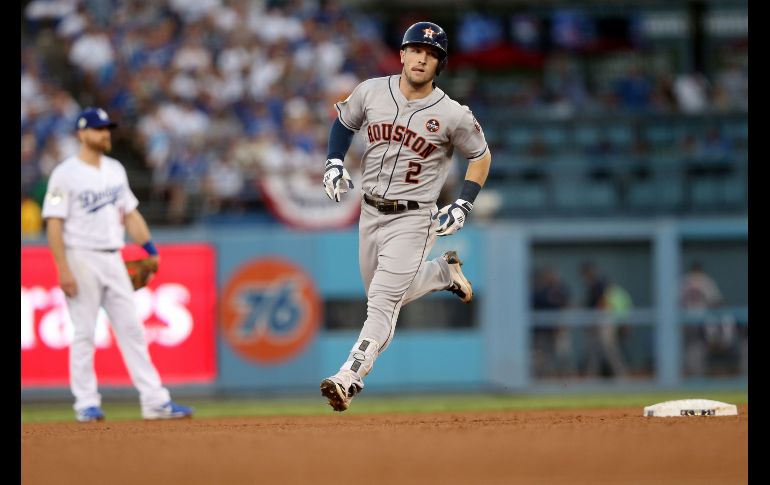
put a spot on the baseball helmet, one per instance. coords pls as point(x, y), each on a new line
point(430, 34)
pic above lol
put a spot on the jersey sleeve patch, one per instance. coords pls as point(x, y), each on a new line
point(55, 203)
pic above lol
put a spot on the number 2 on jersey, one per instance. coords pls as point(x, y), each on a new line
point(414, 169)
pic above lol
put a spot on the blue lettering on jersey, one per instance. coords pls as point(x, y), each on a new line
point(92, 201)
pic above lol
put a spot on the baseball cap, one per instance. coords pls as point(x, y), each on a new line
point(94, 118)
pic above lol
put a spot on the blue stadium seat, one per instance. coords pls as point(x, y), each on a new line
point(518, 138)
point(620, 135)
point(555, 137)
point(735, 191)
point(586, 136)
point(660, 134)
point(492, 134)
point(519, 195)
point(737, 130)
point(568, 187)
point(705, 193)
point(643, 195)
point(600, 196)
point(670, 190)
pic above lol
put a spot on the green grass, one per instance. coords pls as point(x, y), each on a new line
point(120, 411)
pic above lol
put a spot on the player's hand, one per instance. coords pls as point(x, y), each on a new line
point(67, 283)
point(337, 180)
point(156, 259)
point(455, 214)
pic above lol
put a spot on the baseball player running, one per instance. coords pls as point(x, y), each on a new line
point(88, 207)
point(411, 128)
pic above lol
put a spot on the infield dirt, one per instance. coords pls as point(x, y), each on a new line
point(586, 446)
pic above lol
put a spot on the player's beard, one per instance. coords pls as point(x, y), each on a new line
point(417, 84)
point(102, 146)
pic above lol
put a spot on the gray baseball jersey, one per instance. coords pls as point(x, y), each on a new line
point(409, 144)
point(409, 148)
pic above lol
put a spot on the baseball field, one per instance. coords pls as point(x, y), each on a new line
point(465, 439)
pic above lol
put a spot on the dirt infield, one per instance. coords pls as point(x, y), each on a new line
point(564, 446)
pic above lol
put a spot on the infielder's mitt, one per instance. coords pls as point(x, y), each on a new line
point(141, 271)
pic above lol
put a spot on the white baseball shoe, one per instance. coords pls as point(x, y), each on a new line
point(340, 389)
point(170, 410)
point(460, 285)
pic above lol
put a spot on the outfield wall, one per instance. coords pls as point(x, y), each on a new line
point(268, 332)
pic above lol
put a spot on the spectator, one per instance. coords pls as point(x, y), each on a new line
point(614, 304)
point(31, 219)
point(634, 89)
point(222, 186)
point(168, 69)
point(731, 91)
point(709, 333)
point(477, 31)
point(30, 171)
point(714, 145)
point(552, 344)
point(691, 91)
point(92, 53)
point(662, 98)
point(74, 23)
point(564, 83)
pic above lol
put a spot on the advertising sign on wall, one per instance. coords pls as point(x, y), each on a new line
point(178, 309)
point(271, 311)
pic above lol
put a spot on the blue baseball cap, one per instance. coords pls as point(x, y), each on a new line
point(94, 118)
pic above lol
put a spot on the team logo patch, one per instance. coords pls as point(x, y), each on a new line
point(55, 196)
point(429, 33)
point(432, 125)
point(271, 311)
point(476, 124)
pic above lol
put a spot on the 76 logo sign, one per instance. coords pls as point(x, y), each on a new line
point(270, 311)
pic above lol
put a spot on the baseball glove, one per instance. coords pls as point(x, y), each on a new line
point(141, 271)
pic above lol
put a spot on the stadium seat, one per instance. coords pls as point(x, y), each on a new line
point(600, 196)
point(620, 135)
point(554, 137)
point(736, 130)
point(518, 138)
point(642, 195)
point(586, 136)
point(518, 196)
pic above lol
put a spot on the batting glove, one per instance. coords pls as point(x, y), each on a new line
point(337, 180)
point(455, 213)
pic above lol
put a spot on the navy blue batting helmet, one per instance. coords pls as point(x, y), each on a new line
point(430, 34)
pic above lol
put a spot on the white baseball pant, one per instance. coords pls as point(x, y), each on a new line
point(103, 281)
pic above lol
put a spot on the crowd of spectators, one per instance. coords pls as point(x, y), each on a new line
point(214, 93)
point(563, 88)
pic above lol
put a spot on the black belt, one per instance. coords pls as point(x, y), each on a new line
point(391, 206)
point(97, 250)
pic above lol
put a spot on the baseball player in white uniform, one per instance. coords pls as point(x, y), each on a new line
point(411, 128)
point(88, 207)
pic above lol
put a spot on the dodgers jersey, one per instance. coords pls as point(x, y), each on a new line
point(409, 144)
point(92, 201)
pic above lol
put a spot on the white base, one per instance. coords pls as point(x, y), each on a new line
point(691, 407)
